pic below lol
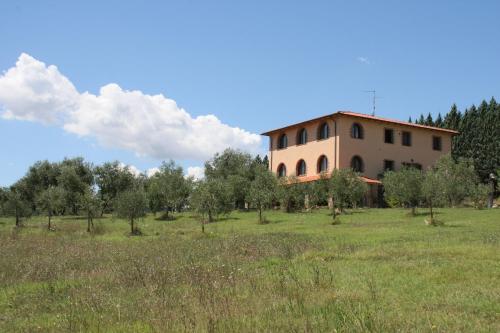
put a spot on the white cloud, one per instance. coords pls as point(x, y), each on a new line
point(196, 172)
point(151, 172)
point(363, 60)
point(132, 168)
point(148, 125)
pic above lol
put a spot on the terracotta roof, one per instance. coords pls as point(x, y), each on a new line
point(365, 116)
point(307, 179)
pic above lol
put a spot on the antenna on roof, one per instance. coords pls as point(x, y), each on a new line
point(374, 92)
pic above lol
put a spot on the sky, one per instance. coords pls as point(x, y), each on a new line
point(147, 81)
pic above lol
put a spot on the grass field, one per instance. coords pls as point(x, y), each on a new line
point(378, 271)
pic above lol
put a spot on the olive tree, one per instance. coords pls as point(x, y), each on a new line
point(433, 191)
point(14, 204)
point(91, 204)
point(262, 190)
point(51, 201)
point(404, 187)
point(210, 198)
point(346, 189)
point(459, 178)
point(131, 204)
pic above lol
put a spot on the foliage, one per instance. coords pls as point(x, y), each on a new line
point(51, 201)
point(346, 189)
point(404, 187)
point(112, 178)
point(131, 204)
point(479, 195)
point(433, 194)
point(167, 189)
point(91, 205)
point(291, 193)
point(262, 190)
point(458, 178)
point(211, 198)
point(14, 204)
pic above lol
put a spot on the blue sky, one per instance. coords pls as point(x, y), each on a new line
point(255, 65)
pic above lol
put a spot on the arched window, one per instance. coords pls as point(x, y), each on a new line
point(302, 137)
point(301, 168)
point(357, 131)
point(281, 170)
point(323, 131)
point(322, 164)
point(282, 141)
point(357, 164)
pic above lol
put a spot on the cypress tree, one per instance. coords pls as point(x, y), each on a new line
point(452, 118)
point(421, 120)
point(409, 120)
point(439, 121)
point(429, 121)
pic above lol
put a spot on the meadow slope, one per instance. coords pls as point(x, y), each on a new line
point(378, 271)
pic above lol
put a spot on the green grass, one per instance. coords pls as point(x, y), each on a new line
point(378, 271)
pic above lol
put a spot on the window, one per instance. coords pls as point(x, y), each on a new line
point(412, 165)
point(282, 141)
point(388, 135)
point(301, 168)
point(356, 131)
point(302, 137)
point(388, 165)
point(323, 131)
point(406, 138)
point(357, 164)
point(281, 170)
point(436, 142)
point(322, 164)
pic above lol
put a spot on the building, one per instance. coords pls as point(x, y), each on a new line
point(368, 144)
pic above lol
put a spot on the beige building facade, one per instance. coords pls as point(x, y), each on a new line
point(368, 144)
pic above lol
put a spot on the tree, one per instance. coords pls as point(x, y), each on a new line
point(439, 121)
point(433, 191)
point(91, 205)
point(346, 189)
point(290, 193)
point(429, 121)
point(52, 201)
point(14, 204)
point(404, 187)
point(458, 178)
point(262, 189)
point(169, 189)
point(452, 118)
point(210, 198)
point(75, 175)
point(112, 178)
point(318, 191)
point(236, 169)
point(479, 195)
point(131, 204)
point(409, 120)
point(421, 120)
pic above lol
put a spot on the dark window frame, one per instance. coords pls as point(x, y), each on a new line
point(359, 133)
point(439, 141)
point(319, 164)
point(406, 143)
point(392, 163)
point(282, 145)
point(299, 136)
point(298, 168)
point(281, 166)
point(361, 164)
point(389, 130)
point(320, 133)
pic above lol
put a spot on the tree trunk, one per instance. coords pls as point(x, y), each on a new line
point(132, 226)
point(203, 226)
point(209, 216)
point(413, 210)
point(334, 214)
point(432, 213)
point(50, 217)
point(17, 217)
point(260, 214)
